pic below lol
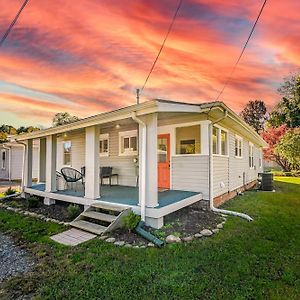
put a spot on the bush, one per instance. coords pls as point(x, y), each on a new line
point(73, 211)
point(33, 202)
point(131, 220)
point(10, 191)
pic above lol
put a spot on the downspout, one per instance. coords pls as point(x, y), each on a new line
point(142, 162)
point(210, 178)
point(9, 161)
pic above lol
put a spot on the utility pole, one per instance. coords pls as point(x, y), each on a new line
point(137, 96)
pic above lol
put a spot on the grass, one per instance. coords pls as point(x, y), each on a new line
point(257, 260)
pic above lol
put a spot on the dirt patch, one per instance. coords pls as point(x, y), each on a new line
point(185, 222)
point(59, 211)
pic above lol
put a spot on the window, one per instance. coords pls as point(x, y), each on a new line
point(67, 147)
point(251, 157)
point(188, 140)
point(104, 145)
point(223, 142)
point(219, 141)
point(128, 142)
point(238, 147)
point(215, 140)
point(260, 158)
point(3, 159)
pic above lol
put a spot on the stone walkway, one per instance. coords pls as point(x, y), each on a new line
point(13, 259)
point(72, 237)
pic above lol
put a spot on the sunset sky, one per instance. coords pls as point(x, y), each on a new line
point(87, 57)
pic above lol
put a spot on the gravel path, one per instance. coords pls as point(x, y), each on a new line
point(13, 259)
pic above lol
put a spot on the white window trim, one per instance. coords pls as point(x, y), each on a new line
point(3, 161)
point(187, 125)
point(63, 154)
point(220, 144)
point(251, 146)
point(103, 137)
point(260, 158)
point(130, 133)
point(242, 146)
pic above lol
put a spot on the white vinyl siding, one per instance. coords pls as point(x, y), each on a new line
point(190, 173)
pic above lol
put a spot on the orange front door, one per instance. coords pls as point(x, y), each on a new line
point(163, 159)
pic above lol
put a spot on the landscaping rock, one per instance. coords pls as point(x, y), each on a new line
point(220, 226)
point(215, 230)
point(110, 240)
point(206, 232)
point(172, 239)
point(119, 243)
point(151, 245)
point(188, 238)
point(128, 246)
point(198, 235)
point(103, 237)
point(143, 247)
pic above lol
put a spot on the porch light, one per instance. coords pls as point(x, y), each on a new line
point(118, 126)
point(65, 135)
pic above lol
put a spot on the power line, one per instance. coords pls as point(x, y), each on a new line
point(162, 46)
point(13, 23)
point(242, 52)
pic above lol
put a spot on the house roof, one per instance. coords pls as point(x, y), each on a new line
point(152, 106)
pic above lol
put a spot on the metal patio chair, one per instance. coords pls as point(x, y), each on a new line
point(107, 172)
point(72, 176)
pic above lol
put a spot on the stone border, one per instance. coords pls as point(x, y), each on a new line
point(170, 239)
point(32, 214)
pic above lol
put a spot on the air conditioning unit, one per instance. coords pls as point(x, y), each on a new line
point(265, 181)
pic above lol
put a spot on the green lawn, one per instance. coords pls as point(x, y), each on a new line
point(257, 260)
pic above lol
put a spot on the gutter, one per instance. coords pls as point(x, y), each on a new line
point(211, 182)
point(9, 161)
point(142, 163)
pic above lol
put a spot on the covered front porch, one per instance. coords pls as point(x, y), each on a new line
point(127, 196)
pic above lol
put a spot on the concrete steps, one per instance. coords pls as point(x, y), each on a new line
point(101, 217)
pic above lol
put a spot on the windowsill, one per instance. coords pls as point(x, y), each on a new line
point(129, 154)
point(104, 154)
point(239, 157)
point(221, 155)
point(188, 155)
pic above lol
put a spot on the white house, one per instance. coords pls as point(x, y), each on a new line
point(11, 161)
point(186, 153)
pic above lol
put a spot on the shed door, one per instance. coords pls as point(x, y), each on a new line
point(163, 159)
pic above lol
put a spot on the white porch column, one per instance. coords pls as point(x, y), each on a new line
point(42, 161)
point(92, 184)
point(151, 161)
point(28, 164)
point(51, 149)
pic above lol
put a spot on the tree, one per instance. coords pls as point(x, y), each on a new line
point(255, 114)
point(63, 118)
point(272, 136)
point(289, 148)
point(3, 137)
point(287, 111)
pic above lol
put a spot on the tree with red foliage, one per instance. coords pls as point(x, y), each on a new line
point(272, 136)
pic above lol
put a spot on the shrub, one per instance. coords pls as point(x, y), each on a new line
point(10, 191)
point(33, 202)
point(131, 220)
point(73, 211)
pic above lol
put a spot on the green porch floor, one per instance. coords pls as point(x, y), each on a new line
point(127, 195)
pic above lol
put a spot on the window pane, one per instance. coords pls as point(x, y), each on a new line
point(162, 145)
point(236, 148)
point(67, 152)
point(215, 140)
point(126, 143)
point(133, 143)
point(223, 142)
point(188, 140)
point(105, 146)
point(101, 146)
